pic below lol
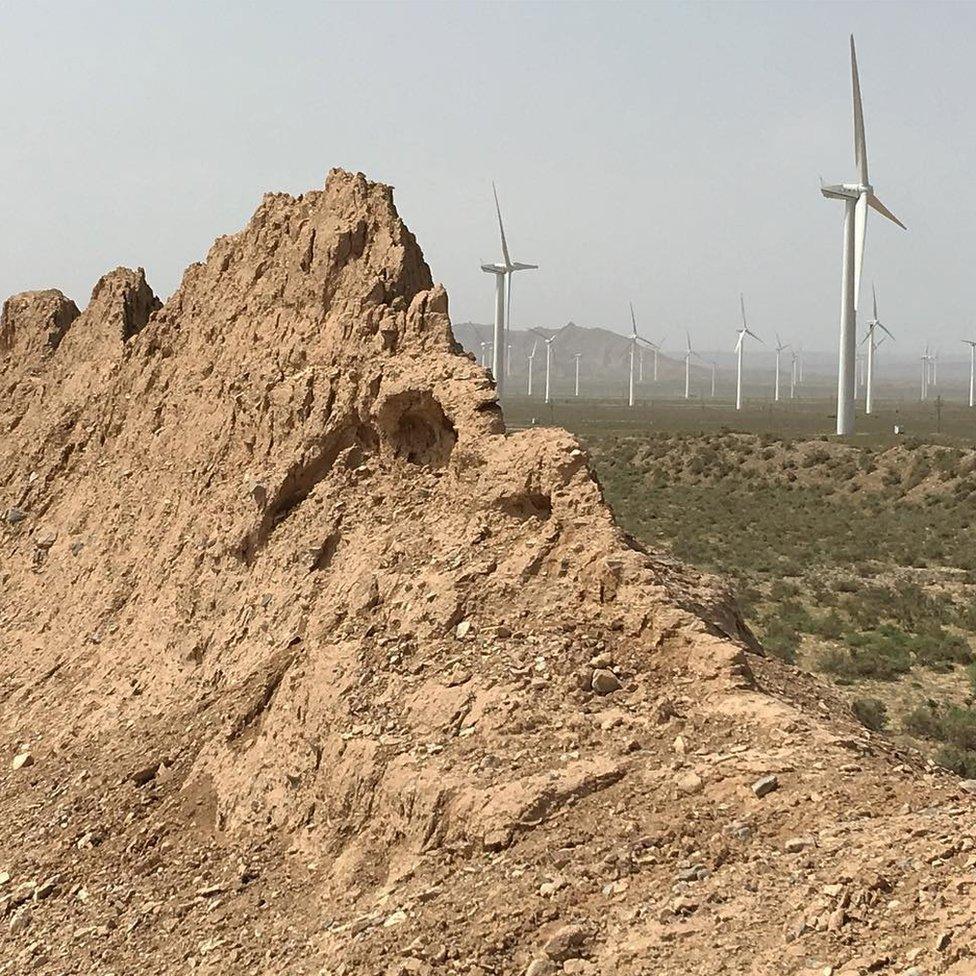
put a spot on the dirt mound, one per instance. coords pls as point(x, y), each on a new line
point(308, 667)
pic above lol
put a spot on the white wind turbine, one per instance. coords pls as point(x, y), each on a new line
point(548, 340)
point(531, 359)
point(657, 347)
point(925, 373)
point(712, 364)
point(485, 346)
point(576, 356)
point(634, 340)
point(689, 352)
point(857, 198)
point(503, 281)
point(972, 370)
point(742, 333)
point(793, 361)
point(874, 324)
point(780, 347)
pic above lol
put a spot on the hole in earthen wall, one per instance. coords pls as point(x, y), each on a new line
point(529, 504)
point(414, 427)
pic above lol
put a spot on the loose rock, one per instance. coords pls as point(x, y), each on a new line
point(604, 681)
point(765, 785)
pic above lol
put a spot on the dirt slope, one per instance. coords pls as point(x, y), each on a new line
point(307, 667)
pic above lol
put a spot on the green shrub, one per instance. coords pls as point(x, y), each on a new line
point(829, 625)
point(780, 639)
point(881, 660)
point(951, 724)
point(783, 590)
point(962, 762)
point(872, 713)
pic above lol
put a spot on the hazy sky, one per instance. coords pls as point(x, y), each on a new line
point(665, 153)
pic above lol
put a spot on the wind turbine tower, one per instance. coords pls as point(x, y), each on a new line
point(874, 324)
point(503, 283)
point(780, 347)
point(972, 370)
point(634, 347)
point(548, 340)
point(688, 354)
point(742, 333)
point(857, 198)
point(531, 358)
point(576, 356)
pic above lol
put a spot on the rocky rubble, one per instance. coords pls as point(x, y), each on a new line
point(316, 669)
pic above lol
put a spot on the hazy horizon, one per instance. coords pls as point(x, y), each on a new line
point(666, 154)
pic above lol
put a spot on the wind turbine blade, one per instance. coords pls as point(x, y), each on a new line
point(688, 337)
point(874, 295)
point(535, 345)
point(753, 334)
point(519, 266)
point(501, 226)
point(738, 341)
point(633, 318)
point(860, 228)
point(860, 149)
point(886, 330)
point(742, 303)
point(876, 204)
point(538, 332)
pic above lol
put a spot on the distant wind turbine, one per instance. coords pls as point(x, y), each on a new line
point(548, 340)
point(874, 324)
point(972, 370)
point(689, 352)
point(925, 373)
point(712, 364)
point(531, 359)
point(485, 346)
point(780, 347)
point(742, 333)
point(634, 340)
point(857, 198)
point(576, 356)
point(503, 281)
point(793, 361)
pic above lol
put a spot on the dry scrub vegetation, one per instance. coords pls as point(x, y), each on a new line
point(856, 563)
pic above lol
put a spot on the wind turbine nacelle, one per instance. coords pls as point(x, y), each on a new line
point(844, 191)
